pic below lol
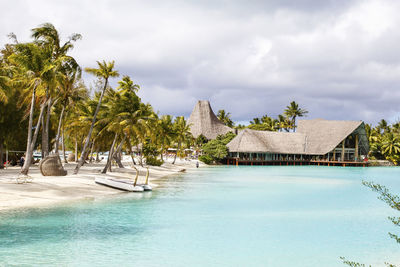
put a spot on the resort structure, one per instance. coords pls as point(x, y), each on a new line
point(318, 141)
point(203, 121)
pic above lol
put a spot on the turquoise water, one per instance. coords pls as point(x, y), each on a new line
point(218, 216)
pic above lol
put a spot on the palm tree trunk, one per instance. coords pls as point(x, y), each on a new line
point(294, 124)
point(118, 153)
point(83, 155)
point(162, 151)
point(97, 155)
point(76, 149)
point(110, 155)
point(45, 135)
point(141, 155)
point(58, 130)
point(179, 147)
point(1, 155)
point(131, 152)
point(30, 124)
point(91, 152)
point(31, 146)
point(63, 145)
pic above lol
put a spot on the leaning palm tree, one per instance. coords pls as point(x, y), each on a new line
point(105, 71)
point(69, 92)
point(34, 67)
point(47, 36)
point(293, 111)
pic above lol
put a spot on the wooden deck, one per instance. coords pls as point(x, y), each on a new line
point(235, 161)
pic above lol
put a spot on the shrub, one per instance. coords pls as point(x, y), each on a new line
point(216, 149)
point(153, 161)
point(206, 159)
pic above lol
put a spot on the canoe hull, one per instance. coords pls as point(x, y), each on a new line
point(119, 184)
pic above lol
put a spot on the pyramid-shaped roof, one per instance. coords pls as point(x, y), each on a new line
point(203, 121)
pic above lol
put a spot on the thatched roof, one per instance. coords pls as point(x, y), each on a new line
point(265, 141)
point(203, 121)
point(324, 135)
point(313, 137)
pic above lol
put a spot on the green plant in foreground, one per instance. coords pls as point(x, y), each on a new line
point(394, 202)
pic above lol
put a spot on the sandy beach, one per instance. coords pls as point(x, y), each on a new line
point(52, 190)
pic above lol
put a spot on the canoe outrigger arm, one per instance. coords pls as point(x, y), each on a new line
point(147, 176)
point(137, 175)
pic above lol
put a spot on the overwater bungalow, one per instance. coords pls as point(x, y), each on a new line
point(316, 142)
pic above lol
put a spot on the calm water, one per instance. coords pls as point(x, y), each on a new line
point(219, 216)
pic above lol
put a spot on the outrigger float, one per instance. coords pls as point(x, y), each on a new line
point(126, 185)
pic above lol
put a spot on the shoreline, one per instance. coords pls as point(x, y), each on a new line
point(50, 191)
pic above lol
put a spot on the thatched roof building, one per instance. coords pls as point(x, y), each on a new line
point(203, 121)
point(346, 140)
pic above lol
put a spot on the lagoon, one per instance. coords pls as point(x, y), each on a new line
point(216, 216)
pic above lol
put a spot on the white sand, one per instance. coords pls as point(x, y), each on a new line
point(51, 190)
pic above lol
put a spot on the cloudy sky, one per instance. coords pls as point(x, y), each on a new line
point(339, 59)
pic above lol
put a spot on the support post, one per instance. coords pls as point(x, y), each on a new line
point(342, 158)
point(356, 149)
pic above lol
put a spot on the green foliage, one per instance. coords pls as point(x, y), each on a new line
point(353, 263)
point(394, 202)
point(206, 159)
point(293, 111)
point(282, 122)
point(384, 141)
point(215, 150)
point(153, 161)
point(150, 150)
point(225, 117)
point(201, 140)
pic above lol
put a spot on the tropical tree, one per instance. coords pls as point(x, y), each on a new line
point(391, 146)
point(284, 123)
point(225, 117)
point(105, 71)
point(34, 67)
point(293, 111)
point(394, 202)
point(165, 133)
point(182, 134)
point(70, 91)
point(47, 36)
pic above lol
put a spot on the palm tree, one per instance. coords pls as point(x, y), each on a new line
point(35, 65)
point(225, 117)
point(105, 71)
point(383, 125)
point(391, 145)
point(255, 121)
point(4, 80)
point(293, 111)
point(46, 35)
point(69, 92)
point(182, 134)
point(165, 133)
point(284, 123)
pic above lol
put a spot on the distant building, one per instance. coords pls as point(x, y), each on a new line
point(318, 141)
point(203, 121)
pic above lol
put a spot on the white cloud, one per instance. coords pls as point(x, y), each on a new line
point(338, 59)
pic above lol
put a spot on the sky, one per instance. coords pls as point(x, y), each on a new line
point(338, 59)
